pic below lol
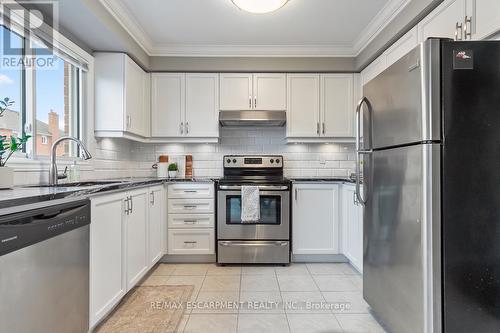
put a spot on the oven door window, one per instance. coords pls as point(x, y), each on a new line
point(270, 210)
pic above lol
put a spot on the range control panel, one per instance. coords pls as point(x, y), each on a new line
point(253, 162)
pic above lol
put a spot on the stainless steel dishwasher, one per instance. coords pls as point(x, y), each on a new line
point(44, 269)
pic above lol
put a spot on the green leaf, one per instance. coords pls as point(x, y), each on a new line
point(14, 146)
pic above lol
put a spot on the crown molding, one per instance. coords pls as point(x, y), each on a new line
point(386, 15)
point(209, 50)
point(127, 20)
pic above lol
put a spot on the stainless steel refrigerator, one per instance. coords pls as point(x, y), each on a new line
point(429, 149)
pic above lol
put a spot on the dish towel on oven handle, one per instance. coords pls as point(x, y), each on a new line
point(250, 204)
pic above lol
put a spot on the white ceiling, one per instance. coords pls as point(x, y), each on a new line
point(218, 28)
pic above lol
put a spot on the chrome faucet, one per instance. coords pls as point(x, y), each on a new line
point(53, 175)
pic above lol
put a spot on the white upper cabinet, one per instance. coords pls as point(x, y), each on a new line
point(401, 47)
point(185, 106)
point(269, 91)
point(236, 92)
point(122, 107)
point(373, 69)
point(484, 18)
point(446, 21)
point(202, 105)
point(260, 91)
point(167, 104)
point(303, 105)
point(320, 107)
point(337, 111)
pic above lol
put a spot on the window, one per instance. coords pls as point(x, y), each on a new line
point(11, 83)
point(46, 91)
point(56, 95)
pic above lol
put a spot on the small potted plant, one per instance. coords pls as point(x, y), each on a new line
point(8, 146)
point(172, 170)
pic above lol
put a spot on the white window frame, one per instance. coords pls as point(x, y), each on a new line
point(30, 161)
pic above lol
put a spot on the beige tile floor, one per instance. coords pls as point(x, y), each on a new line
point(302, 298)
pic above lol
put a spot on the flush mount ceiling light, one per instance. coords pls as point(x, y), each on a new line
point(259, 6)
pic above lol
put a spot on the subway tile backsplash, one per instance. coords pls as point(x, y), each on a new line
point(300, 159)
point(116, 158)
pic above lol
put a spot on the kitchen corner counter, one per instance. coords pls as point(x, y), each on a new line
point(33, 196)
point(322, 180)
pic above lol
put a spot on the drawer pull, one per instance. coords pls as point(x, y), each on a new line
point(190, 191)
point(190, 221)
point(190, 207)
point(190, 242)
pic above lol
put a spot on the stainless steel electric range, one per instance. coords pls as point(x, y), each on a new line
point(266, 241)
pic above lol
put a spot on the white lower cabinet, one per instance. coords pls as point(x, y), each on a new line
point(326, 220)
point(352, 227)
point(107, 257)
point(315, 227)
point(157, 225)
point(191, 241)
point(191, 216)
point(137, 231)
point(126, 240)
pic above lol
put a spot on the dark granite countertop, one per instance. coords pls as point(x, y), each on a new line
point(322, 179)
point(26, 195)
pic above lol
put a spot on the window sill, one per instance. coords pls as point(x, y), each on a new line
point(42, 164)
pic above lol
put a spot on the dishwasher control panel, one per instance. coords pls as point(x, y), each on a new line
point(26, 228)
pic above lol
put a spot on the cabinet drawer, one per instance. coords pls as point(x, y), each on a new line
point(191, 190)
point(191, 241)
point(190, 206)
point(191, 220)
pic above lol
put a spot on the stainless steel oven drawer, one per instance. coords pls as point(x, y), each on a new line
point(253, 252)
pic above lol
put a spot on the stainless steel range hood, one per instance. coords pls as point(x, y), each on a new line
point(252, 118)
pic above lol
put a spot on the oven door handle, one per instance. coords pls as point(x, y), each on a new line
point(253, 244)
point(262, 188)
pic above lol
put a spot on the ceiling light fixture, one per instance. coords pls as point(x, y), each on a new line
point(259, 6)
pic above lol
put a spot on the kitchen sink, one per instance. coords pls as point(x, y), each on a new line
point(81, 184)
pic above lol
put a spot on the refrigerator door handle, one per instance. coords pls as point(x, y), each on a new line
point(360, 151)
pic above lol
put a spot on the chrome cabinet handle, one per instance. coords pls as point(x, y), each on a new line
point(459, 25)
point(255, 102)
point(323, 128)
point(190, 221)
point(317, 128)
point(295, 194)
point(129, 121)
point(468, 31)
point(190, 191)
point(182, 128)
point(190, 207)
point(152, 198)
point(250, 102)
point(131, 205)
point(187, 127)
point(360, 151)
point(126, 206)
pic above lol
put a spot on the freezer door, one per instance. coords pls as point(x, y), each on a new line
point(398, 249)
point(404, 100)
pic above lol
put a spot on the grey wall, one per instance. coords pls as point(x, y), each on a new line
point(251, 64)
